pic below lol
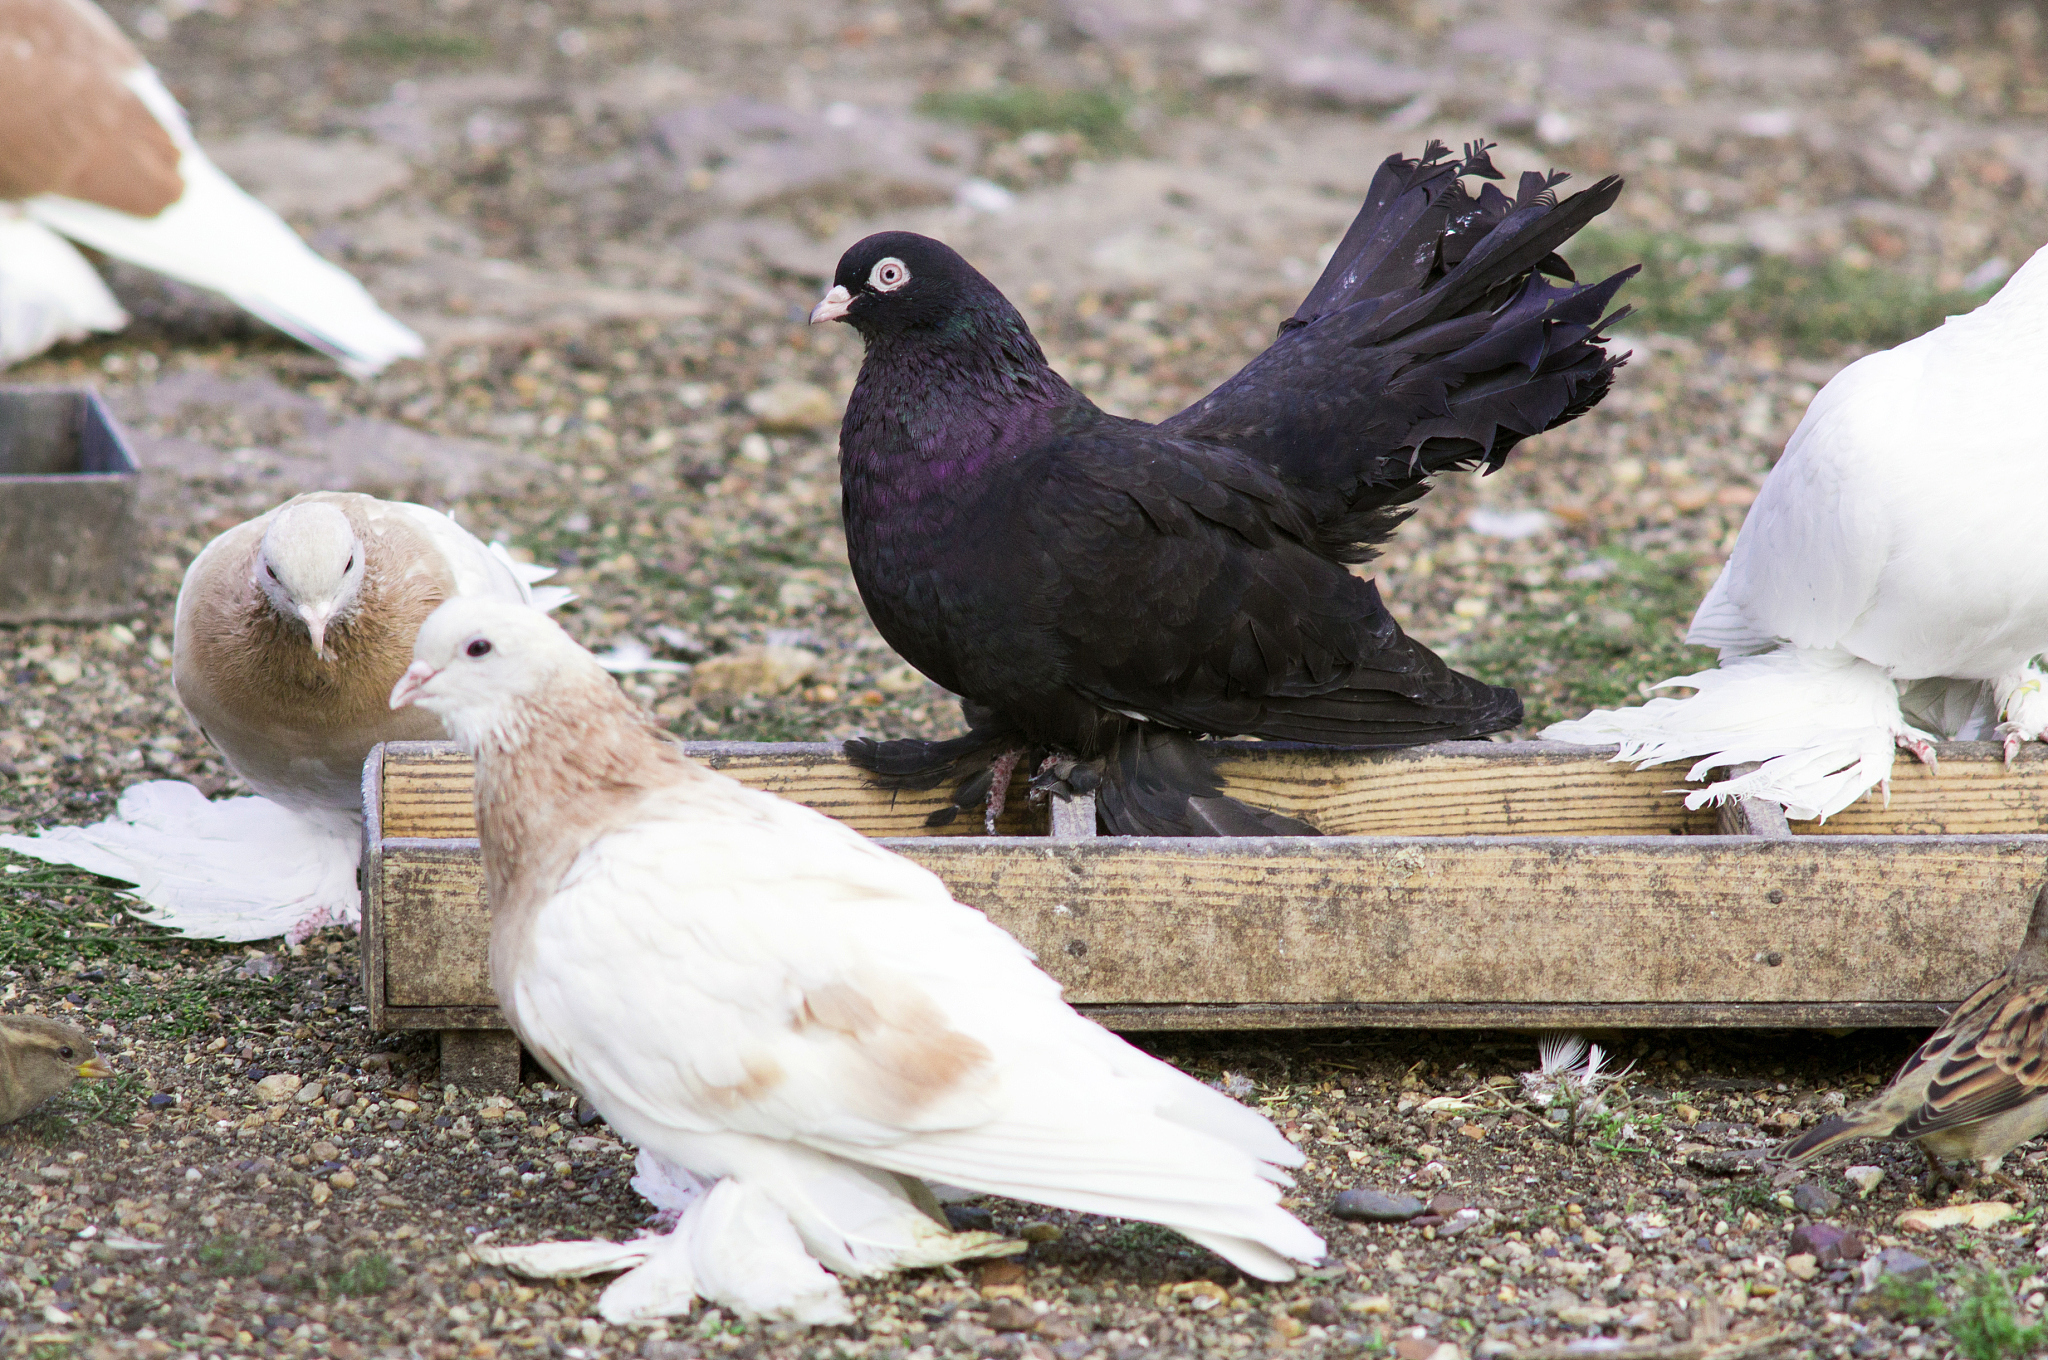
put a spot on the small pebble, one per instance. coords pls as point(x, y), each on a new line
point(1815, 1200)
point(1864, 1178)
point(970, 1218)
point(1366, 1205)
point(1011, 1315)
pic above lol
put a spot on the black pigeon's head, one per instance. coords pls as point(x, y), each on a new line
point(897, 281)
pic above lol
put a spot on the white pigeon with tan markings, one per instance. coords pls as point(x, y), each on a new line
point(94, 148)
point(790, 1020)
point(1888, 588)
point(291, 629)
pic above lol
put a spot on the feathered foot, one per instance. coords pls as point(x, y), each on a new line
point(1158, 782)
point(1921, 749)
point(2024, 705)
point(970, 761)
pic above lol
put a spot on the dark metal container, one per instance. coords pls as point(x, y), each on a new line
point(69, 532)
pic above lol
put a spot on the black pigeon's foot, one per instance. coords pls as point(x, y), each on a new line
point(1158, 782)
point(970, 761)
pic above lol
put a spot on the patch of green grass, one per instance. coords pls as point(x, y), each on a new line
point(110, 1101)
point(1740, 293)
point(1598, 643)
point(389, 44)
point(1147, 1237)
point(232, 1255)
point(190, 1006)
point(367, 1274)
point(1910, 1300)
point(1985, 1320)
point(53, 916)
point(1097, 116)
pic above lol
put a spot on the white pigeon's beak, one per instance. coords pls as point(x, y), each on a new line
point(411, 683)
point(317, 617)
point(834, 305)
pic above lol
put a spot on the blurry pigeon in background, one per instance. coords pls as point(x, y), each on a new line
point(794, 1025)
point(41, 1058)
point(1977, 1088)
point(94, 148)
point(291, 629)
point(1100, 590)
point(1863, 610)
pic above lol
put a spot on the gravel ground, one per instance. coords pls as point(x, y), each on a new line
point(609, 218)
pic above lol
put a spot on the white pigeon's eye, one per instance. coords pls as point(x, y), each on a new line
point(888, 275)
point(480, 647)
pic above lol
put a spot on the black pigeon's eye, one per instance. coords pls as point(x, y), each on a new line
point(481, 647)
point(271, 572)
point(889, 275)
point(351, 564)
point(64, 1052)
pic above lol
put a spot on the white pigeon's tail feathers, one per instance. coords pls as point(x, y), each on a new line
point(545, 598)
point(857, 1219)
point(1822, 724)
point(240, 869)
point(1253, 1257)
point(217, 237)
point(48, 293)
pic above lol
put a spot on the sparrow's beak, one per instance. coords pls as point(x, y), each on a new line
point(411, 683)
point(834, 305)
point(317, 617)
point(94, 1069)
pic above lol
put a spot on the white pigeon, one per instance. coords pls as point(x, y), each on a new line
point(94, 148)
point(291, 629)
point(766, 1001)
point(1888, 589)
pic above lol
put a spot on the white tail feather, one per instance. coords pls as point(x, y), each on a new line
point(240, 869)
point(1822, 724)
point(217, 237)
point(48, 293)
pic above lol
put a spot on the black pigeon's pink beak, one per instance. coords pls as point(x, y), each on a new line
point(833, 306)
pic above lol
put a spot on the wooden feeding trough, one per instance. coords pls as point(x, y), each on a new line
point(1469, 884)
point(68, 523)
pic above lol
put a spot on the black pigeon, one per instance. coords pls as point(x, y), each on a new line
point(1102, 591)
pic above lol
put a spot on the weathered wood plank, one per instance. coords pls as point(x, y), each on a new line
point(1450, 789)
point(1523, 1015)
point(429, 788)
point(1505, 922)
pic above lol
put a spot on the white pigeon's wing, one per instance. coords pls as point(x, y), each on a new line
point(1810, 553)
point(477, 569)
point(238, 869)
point(740, 963)
point(48, 293)
point(218, 237)
point(543, 598)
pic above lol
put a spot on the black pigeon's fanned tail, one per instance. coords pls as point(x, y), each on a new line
point(1433, 340)
point(1158, 782)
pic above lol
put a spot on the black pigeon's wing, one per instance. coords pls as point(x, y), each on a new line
point(1433, 340)
point(1188, 586)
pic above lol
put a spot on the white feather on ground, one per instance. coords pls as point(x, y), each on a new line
point(756, 994)
point(294, 724)
point(1894, 548)
point(82, 159)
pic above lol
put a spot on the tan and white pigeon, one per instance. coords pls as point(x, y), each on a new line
point(795, 1025)
point(94, 148)
point(291, 629)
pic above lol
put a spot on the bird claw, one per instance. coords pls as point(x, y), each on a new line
point(1922, 750)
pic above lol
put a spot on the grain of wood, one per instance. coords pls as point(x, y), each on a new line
point(1336, 922)
point(1451, 789)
